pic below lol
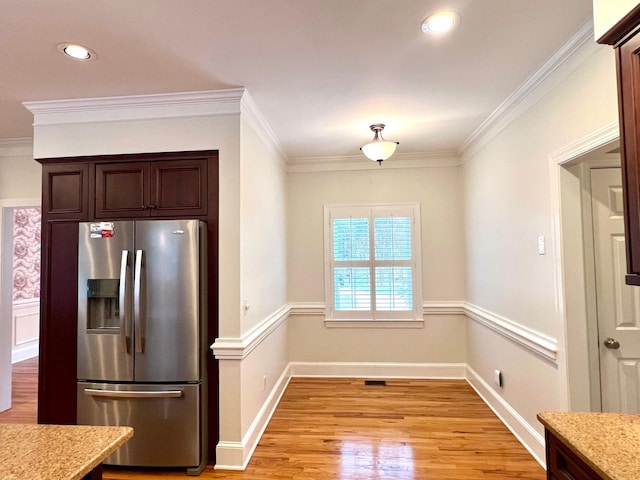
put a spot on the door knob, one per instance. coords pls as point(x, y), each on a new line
point(612, 343)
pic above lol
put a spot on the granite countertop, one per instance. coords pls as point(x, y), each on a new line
point(56, 452)
point(608, 442)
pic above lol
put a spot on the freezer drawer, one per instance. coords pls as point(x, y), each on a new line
point(166, 419)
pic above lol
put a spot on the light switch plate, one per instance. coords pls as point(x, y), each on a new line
point(541, 245)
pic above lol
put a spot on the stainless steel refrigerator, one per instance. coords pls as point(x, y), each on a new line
point(142, 338)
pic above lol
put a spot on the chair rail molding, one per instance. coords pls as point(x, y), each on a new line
point(225, 348)
point(542, 345)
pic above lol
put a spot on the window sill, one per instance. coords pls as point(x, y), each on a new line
point(353, 323)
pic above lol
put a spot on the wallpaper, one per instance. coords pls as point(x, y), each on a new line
point(26, 253)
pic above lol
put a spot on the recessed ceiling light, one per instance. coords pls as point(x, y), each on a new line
point(440, 22)
point(76, 51)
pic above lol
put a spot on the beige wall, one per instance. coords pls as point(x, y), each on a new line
point(438, 191)
point(508, 204)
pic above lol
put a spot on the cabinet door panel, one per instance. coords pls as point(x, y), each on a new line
point(629, 103)
point(65, 191)
point(179, 188)
point(563, 464)
point(122, 190)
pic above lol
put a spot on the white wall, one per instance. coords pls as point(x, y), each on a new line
point(438, 190)
point(263, 239)
point(249, 380)
point(20, 174)
point(606, 13)
point(508, 204)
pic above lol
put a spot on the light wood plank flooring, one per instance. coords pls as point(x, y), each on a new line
point(342, 429)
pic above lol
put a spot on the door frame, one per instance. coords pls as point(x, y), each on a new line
point(7, 206)
point(574, 273)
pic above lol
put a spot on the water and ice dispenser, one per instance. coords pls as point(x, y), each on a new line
point(103, 305)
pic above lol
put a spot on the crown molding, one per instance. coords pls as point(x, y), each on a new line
point(360, 162)
point(16, 147)
point(136, 107)
point(148, 107)
point(254, 117)
point(556, 69)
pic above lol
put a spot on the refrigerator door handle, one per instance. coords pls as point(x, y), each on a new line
point(122, 299)
point(133, 393)
point(136, 300)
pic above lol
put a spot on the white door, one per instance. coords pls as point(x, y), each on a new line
point(618, 304)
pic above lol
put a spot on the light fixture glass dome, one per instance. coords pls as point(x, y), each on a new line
point(378, 149)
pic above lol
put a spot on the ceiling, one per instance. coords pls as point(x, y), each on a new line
point(320, 71)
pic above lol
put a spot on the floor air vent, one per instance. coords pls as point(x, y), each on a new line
point(375, 383)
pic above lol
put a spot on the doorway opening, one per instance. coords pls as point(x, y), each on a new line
point(20, 287)
point(579, 226)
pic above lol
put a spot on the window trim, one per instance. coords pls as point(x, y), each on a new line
point(388, 319)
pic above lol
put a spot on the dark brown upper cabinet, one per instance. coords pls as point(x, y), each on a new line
point(65, 191)
point(625, 37)
point(148, 189)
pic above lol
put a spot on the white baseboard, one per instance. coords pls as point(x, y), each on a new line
point(18, 354)
point(378, 369)
point(230, 456)
point(236, 455)
point(528, 436)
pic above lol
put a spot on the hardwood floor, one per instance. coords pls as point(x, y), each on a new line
point(24, 393)
point(410, 429)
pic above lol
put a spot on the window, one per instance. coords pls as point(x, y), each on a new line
point(372, 262)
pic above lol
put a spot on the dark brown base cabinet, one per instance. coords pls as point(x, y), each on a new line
point(114, 187)
point(563, 464)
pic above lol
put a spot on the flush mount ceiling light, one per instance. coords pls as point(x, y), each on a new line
point(76, 51)
point(379, 149)
point(440, 22)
